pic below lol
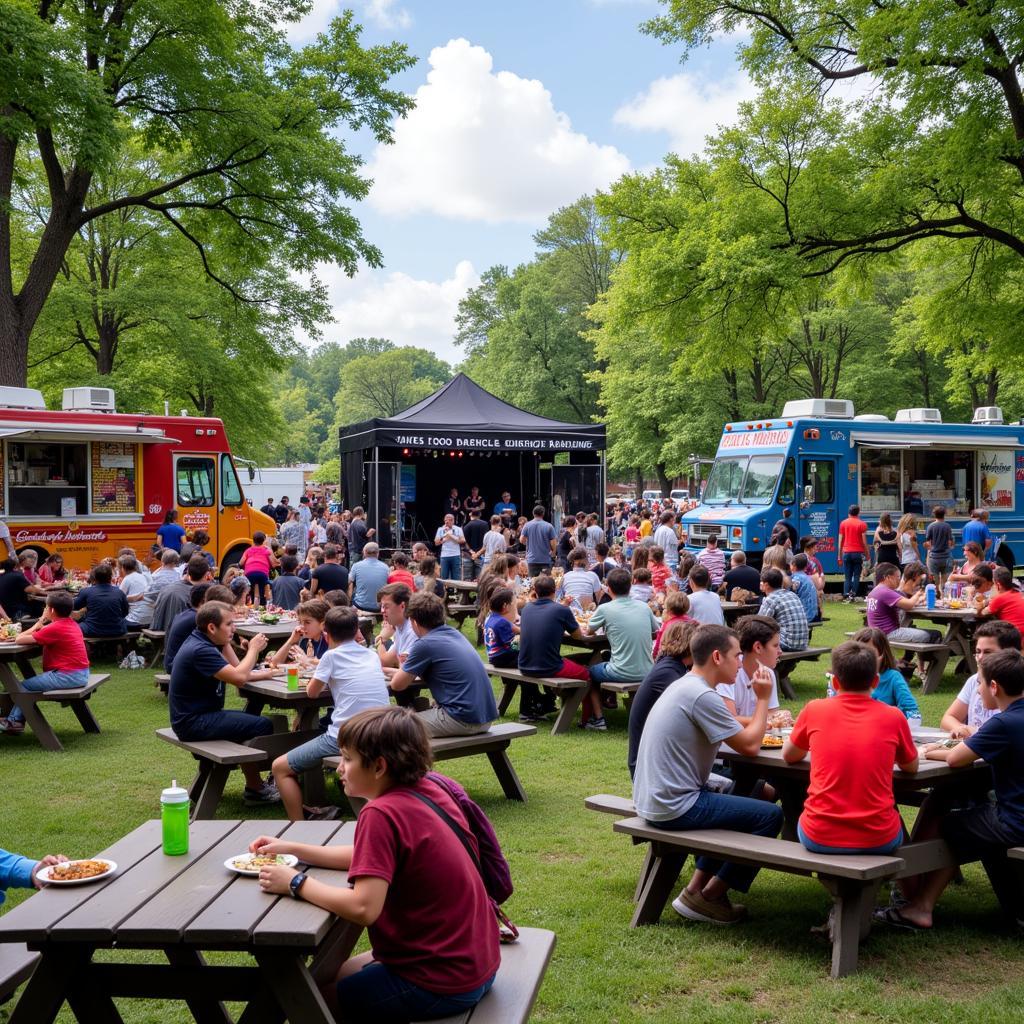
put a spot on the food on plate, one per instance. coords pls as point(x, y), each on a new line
point(772, 741)
point(780, 718)
point(76, 870)
point(254, 861)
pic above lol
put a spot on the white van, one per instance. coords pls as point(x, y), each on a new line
point(651, 496)
point(679, 495)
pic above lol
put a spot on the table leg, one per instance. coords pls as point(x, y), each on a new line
point(571, 701)
point(936, 668)
point(294, 988)
point(335, 949)
point(205, 1010)
point(46, 990)
point(35, 720)
point(314, 788)
point(783, 670)
point(510, 784)
point(90, 1004)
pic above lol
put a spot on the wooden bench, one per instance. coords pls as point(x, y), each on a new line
point(571, 692)
point(218, 758)
point(17, 963)
point(935, 656)
point(125, 642)
point(494, 743)
point(73, 697)
point(461, 612)
point(515, 988)
point(162, 681)
point(628, 689)
point(788, 661)
point(156, 637)
point(851, 880)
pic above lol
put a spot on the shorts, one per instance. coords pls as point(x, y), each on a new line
point(938, 564)
point(223, 725)
point(975, 833)
point(309, 754)
point(440, 723)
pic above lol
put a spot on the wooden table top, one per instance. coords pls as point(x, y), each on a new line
point(10, 650)
point(153, 899)
point(943, 614)
point(276, 689)
point(273, 631)
point(464, 586)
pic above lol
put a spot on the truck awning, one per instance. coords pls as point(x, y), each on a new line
point(934, 440)
point(59, 433)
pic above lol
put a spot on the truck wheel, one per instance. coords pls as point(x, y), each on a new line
point(233, 557)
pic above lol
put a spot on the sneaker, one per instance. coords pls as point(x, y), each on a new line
point(11, 727)
point(321, 813)
point(695, 907)
point(260, 797)
point(531, 718)
point(597, 724)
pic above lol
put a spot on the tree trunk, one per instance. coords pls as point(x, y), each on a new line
point(639, 481)
point(663, 481)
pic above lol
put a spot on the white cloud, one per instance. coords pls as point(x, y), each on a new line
point(393, 305)
point(485, 145)
point(386, 14)
point(686, 108)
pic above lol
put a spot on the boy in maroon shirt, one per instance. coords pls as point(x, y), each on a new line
point(415, 887)
point(65, 661)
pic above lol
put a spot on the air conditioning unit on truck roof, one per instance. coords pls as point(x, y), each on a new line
point(818, 408)
point(88, 400)
point(918, 416)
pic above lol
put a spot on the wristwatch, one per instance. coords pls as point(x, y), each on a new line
point(297, 882)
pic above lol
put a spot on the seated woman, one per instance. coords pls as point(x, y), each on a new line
point(973, 557)
point(411, 882)
point(891, 687)
point(53, 572)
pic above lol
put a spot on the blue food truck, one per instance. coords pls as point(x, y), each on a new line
point(818, 458)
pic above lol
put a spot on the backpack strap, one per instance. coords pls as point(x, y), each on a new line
point(453, 825)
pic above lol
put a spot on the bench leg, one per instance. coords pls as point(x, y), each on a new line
point(570, 705)
point(507, 693)
point(510, 784)
point(314, 787)
point(37, 723)
point(662, 878)
point(210, 790)
point(854, 902)
point(84, 715)
point(783, 670)
point(645, 870)
point(933, 677)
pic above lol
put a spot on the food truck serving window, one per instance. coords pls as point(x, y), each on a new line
point(47, 479)
point(880, 480)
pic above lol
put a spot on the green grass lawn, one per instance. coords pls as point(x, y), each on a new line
point(572, 875)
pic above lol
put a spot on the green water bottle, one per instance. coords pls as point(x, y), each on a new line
point(174, 817)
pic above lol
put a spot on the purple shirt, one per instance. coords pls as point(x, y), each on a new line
point(883, 612)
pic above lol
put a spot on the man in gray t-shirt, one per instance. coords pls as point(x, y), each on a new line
point(540, 540)
point(678, 746)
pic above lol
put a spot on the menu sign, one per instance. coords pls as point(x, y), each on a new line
point(113, 476)
point(997, 478)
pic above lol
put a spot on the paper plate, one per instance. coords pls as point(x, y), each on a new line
point(287, 860)
point(44, 874)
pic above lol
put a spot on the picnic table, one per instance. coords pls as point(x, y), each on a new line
point(183, 906)
point(272, 631)
point(959, 635)
point(462, 586)
point(733, 610)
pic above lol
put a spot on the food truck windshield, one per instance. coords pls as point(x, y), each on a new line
point(743, 480)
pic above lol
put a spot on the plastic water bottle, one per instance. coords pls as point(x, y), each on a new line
point(915, 722)
point(830, 690)
point(174, 818)
point(929, 596)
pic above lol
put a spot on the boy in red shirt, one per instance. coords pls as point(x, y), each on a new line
point(1008, 604)
point(853, 550)
point(854, 742)
point(65, 661)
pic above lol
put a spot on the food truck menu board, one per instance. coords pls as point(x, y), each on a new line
point(113, 476)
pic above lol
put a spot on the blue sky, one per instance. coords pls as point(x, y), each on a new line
point(521, 108)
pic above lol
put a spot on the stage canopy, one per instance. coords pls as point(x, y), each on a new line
point(462, 415)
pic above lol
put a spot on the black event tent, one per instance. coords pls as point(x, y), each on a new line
point(483, 441)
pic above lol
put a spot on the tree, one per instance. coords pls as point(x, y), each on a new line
point(935, 151)
point(385, 383)
point(251, 127)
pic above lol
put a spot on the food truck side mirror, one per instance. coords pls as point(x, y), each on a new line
point(808, 494)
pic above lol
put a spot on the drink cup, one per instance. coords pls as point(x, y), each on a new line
point(292, 677)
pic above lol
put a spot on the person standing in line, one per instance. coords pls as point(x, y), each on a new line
point(978, 531)
point(293, 534)
point(494, 542)
point(906, 539)
point(305, 516)
point(853, 550)
point(170, 535)
point(359, 532)
point(269, 509)
point(593, 535)
point(785, 525)
point(938, 542)
point(666, 538)
point(475, 531)
point(886, 542)
point(540, 539)
point(451, 540)
point(282, 510)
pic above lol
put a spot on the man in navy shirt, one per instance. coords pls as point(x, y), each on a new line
point(986, 831)
point(449, 665)
point(541, 538)
point(102, 607)
point(977, 530)
point(202, 665)
point(543, 625)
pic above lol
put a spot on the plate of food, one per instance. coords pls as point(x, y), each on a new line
point(771, 742)
point(77, 872)
point(270, 620)
point(249, 864)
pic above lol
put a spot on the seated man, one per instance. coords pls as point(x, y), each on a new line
point(678, 747)
point(368, 575)
point(759, 648)
point(174, 598)
point(705, 605)
point(967, 714)
point(184, 622)
point(353, 674)
point(196, 695)
point(14, 586)
point(987, 830)
point(543, 625)
point(396, 636)
point(806, 589)
point(785, 607)
point(449, 666)
point(851, 811)
point(101, 607)
point(65, 661)
point(286, 589)
point(1008, 604)
point(741, 576)
point(630, 627)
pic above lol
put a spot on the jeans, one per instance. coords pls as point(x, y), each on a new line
point(977, 834)
point(451, 567)
point(237, 726)
point(472, 568)
point(536, 568)
point(740, 813)
point(853, 566)
point(379, 994)
point(809, 844)
point(51, 681)
point(258, 582)
point(602, 672)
